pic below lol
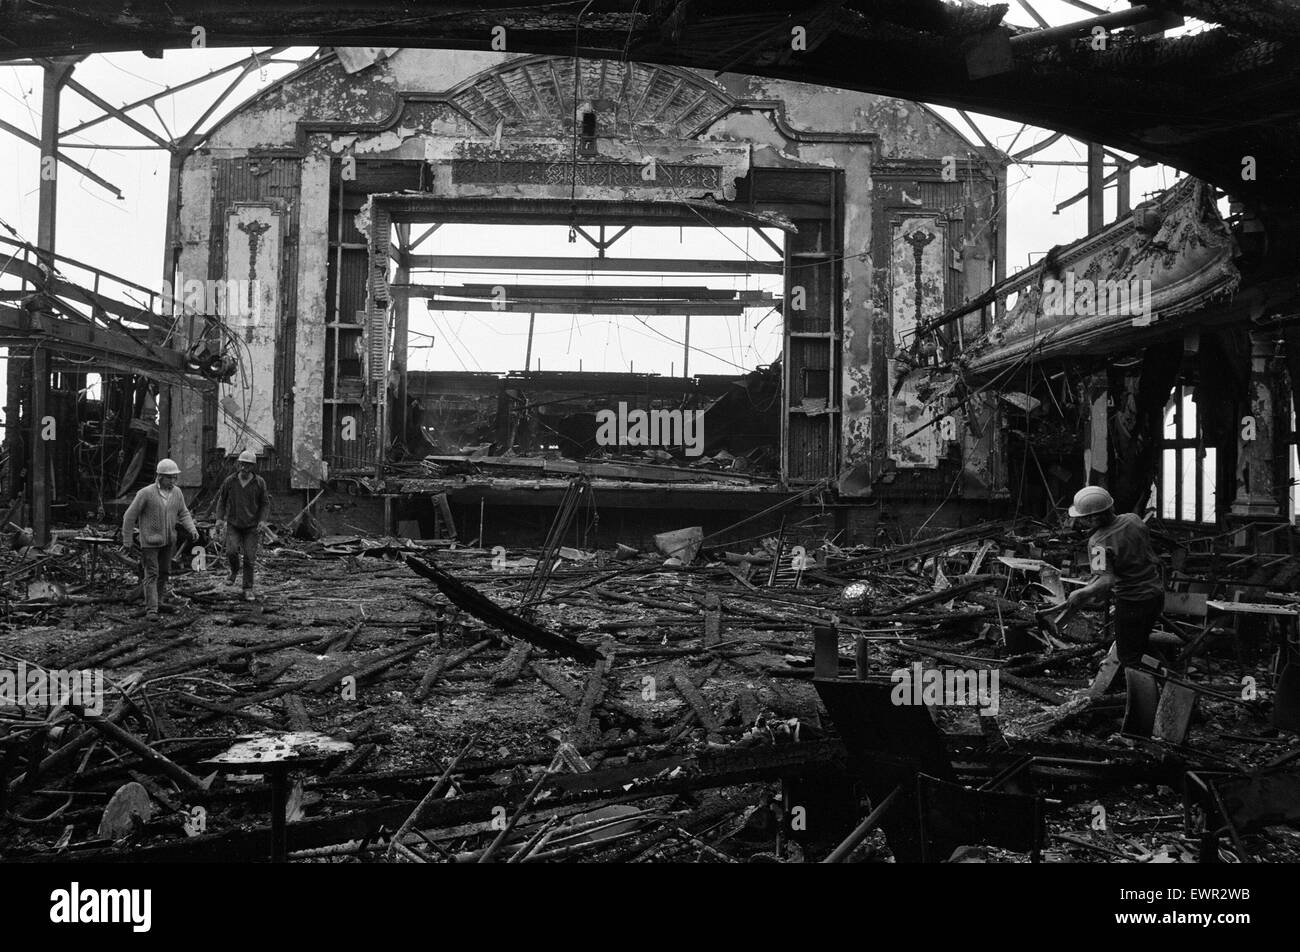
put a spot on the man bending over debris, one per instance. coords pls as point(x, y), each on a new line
point(243, 505)
point(157, 508)
point(1121, 558)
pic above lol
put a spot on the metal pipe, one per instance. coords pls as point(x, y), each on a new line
point(866, 826)
point(686, 349)
point(528, 354)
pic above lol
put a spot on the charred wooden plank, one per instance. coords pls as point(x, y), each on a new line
point(509, 670)
point(484, 609)
point(444, 663)
point(592, 694)
point(725, 769)
point(691, 694)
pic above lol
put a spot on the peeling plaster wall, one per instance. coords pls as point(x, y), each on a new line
point(902, 132)
point(254, 245)
point(906, 130)
point(980, 430)
point(308, 384)
point(734, 161)
point(326, 93)
point(917, 274)
point(194, 230)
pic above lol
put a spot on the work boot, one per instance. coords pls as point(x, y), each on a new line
point(248, 595)
point(233, 577)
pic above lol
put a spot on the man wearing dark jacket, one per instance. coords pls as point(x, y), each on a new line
point(243, 505)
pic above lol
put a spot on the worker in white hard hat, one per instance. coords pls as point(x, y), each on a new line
point(1122, 563)
point(243, 506)
point(157, 509)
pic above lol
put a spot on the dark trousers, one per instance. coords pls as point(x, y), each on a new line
point(242, 542)
point(1133, 624)
point(157, 563)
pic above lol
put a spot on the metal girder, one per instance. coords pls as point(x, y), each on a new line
point(978, 131)
point(1035, 14)
point(497, 210)
point(19, 327)
point(1087, 7)
point(99, 303)
point(1037, 146)
point(1080, 196)
point(32, 140)
point(245, 66)
point(539, 263)
point(162, 94)
point(423, 235)
point(632, 309)
point(118, 114)
point(602, 243)
point(770, 243)
point(654, 294)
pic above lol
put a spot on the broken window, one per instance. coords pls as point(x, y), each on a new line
point(587, 143)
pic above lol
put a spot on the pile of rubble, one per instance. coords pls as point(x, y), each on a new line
point(391, 699)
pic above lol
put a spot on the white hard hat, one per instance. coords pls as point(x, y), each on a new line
point(1091, 500)
point(248, 456)
point(167, 467)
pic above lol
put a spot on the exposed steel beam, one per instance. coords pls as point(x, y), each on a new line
point(72, 164)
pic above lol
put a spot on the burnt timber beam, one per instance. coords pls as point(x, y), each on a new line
point(727, 769)
point(1133, 16)
point(706, 771)
point(483, 608)
point(682, 496)
point(914, 51)
point(1270, 19)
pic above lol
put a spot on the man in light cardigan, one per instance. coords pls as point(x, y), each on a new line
point(157, 508)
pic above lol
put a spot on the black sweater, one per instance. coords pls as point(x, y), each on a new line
point(244, 507)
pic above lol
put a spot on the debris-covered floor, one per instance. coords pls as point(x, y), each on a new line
point(671, 715)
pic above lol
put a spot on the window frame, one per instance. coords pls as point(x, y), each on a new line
point(1177, 444)
point(1290, 439)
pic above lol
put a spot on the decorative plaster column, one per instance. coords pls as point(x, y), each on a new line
point(1095, 393)
point(1256, 497)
